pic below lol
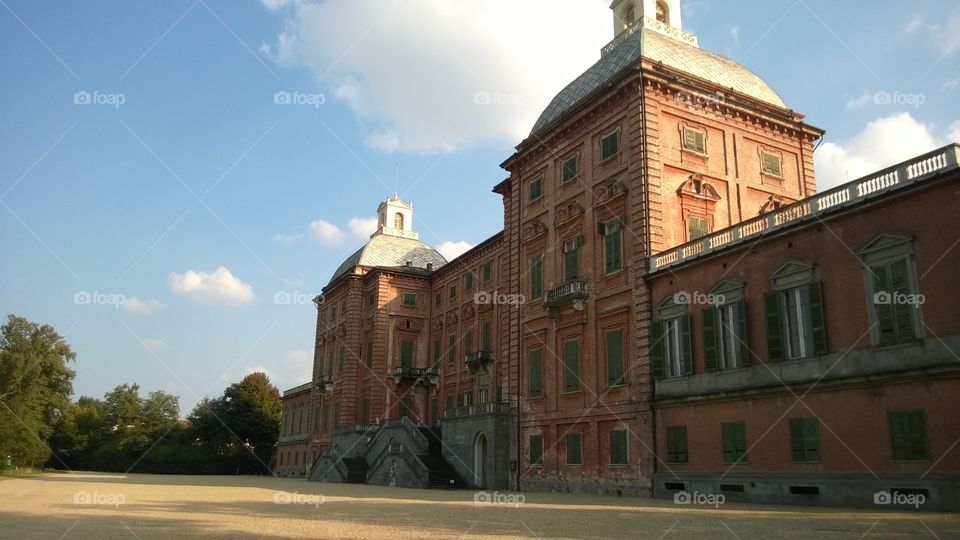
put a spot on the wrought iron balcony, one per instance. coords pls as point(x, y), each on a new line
point(324, 383)
point(422, 375)
point(568, 292)
point(478, 360)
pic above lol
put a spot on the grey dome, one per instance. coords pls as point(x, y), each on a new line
point(386, 250)
point(674, 53)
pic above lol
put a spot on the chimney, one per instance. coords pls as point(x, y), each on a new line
point(429, 267)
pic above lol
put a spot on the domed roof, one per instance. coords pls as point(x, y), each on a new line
point(386, 250)
point(641, 41)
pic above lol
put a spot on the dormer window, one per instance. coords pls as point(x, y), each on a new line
point(663, 12)
point(398, 221)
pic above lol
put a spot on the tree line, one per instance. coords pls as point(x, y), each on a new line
point(124, 431)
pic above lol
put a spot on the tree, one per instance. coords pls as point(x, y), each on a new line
point(35, 386)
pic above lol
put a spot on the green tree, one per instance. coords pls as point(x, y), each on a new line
point(35, 386)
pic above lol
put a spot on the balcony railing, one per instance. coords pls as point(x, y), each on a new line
point(815, 207)
point(569, 291)
point(483, 408)
point(422, 375)
point(478, 360)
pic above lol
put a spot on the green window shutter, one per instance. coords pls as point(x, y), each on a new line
point(406, 354)
point(898, 435)
point(817, 323)
point(336, 414)
point(917, 434)
point(571, 365)
point(451, 348)
point(771, 303)
point(615, 358)
point(437, 352)
point(536, 377)
point(612, 249)
point(469, 280)
point(536, 276)
point(734, 441)
point(797, 440)
point(742, 333)
point(365, 411)
point(536, 449)
point(342, 358)
point(710, 356)
point(687, 344)
point(468, 342)
point(369, 354)
point(485, 336)
point(656, 349)
point(811, 439)
point(884, 312)
point(574, 456)
point(618, 447)
point(900, 284)
point(677, 444)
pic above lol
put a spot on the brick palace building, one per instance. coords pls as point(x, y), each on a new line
point(670, 306)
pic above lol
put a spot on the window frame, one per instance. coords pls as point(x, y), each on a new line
point(535, 189)
point(702, 139)
point(621, 378)
point(913, 450)
point(886, 250)
point(579, 446)
point(616, 135)
point(612, 232)
point(407, 295)
point(536, 276)
point(764, 154)
point(571, 379)
point(804, 430)
point(535, 357)
point(538, 462)
point(616, 433)
point(575, 158)
point(677, 452)
point(737, 434)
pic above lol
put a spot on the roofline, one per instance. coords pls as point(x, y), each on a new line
point(478, 247)
point(297, 389)
point(919, 171)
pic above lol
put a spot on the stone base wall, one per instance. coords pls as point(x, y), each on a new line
point(459, 442)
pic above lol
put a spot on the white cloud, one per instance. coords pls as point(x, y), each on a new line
point(452, 250)
point(326, 233)
point(220, 287)
point(153, 344)
point(951, 83)
point(861, 101)
point(883, 142)
point(141, 307)
point(294, 369)
point(419, 97)
point(954, 135)
point(944, 36)
point(287, 239)
point(735, 34)
point(362, 227)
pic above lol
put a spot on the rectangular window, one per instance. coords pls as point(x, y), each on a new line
point(409, 299)
point(571, 259)
point(469, 281)
point(333, 313)
point(468, 342)
point(797, 328)
point(437, 351)
point(372, 299)
point(724, 336)
point(330, 363)
point(694, 140)
point(574, 450)
point(772, 164)
point(536, 189)
point(449, 402)
point(609, 145)
point(438, 299)
point(535, 359)
point(369, 354)
point(571, 365)
point(326, 418)
point(341, 358)
point(483, 395)
point(677, 444)
point(618, 447)
point(336, 414)
point(406, 354)
point(615, 357)
point(343, 306)
point(486, 271)
point(365, 411)
point(536, 276)
point(569, 168)
point(485, 344)
point(896, 319)
point(451, 348)
point(804, 439)
point(697, 227)
point(536, 450)
point(734, 442)
point(612, 247)
point(908, 435)
point(673, 347)
point(453, 292)
point(466, 399)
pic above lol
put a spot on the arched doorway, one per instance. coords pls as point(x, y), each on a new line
point(479, 459)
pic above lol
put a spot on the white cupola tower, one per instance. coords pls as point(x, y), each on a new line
point(395, 218)
point(628, 12)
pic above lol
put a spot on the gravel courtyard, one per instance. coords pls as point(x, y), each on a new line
point(96, 505)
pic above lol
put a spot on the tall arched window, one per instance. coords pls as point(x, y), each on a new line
point(398, 221)
point(663, 12)
point(629, 15)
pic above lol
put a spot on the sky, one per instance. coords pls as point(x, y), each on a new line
point(178, 179)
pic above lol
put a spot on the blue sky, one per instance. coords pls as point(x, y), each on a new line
point(184, 185)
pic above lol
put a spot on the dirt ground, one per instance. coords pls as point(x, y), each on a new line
point(98, 505)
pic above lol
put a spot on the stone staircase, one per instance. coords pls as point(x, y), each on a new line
point(356, 470)
point(442, 474)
